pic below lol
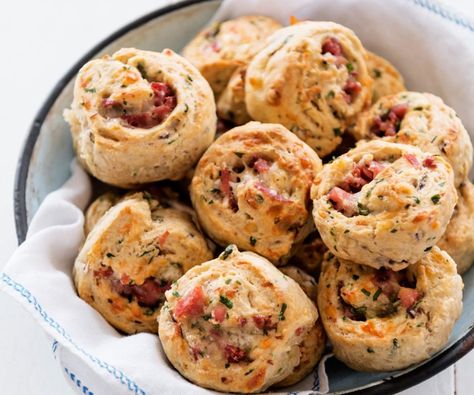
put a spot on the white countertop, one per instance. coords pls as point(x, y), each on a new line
point(40, 41)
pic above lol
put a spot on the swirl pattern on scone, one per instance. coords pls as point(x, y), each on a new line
point(132, 256)
point(140, 116)
point(387, 80)
point(235, 324)
point(231, 103)
point(251, 188)
point(312, 78)
point(220, 48)
point(458, 240)
point(381, 320)
point(377, 199)
point(423, 120)
point(97, 209)
point(309, 254)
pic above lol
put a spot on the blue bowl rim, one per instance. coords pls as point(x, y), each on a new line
point(389, 386)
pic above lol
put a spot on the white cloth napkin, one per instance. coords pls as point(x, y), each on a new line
point(432, 48)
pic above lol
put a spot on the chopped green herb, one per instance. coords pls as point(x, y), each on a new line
point(228, 281)
point(281, 316)
point(253, 240)
point(377, 73)
point(365, 292)
point(175, 294)
point(347, 231)
point(350, 67)
point(419, 108)
point(226, 301)
point(227, 365)
point(396, 343)
point(363, 210)
point(259, 198)
point(428, 249)
point(141, 69)
point(228, 250)
point(189, 78)
point(355, 277)
point(416, 199)
point(206, 317)
point(337, 131)
point(90, 90)
point(370, 350)
point(435, 198)
point(394, 231)
point(239, 154)
point(149, 312)
point(377, 294)
point(210, 201)
point(248, 372)
point(330, 94)
point(110, 255)
point(186, 108)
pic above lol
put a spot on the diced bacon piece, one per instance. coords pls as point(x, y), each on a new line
point(351, 89)
point(107, 103)
point(408, 297)
point(219, 313)
point(242, 321)
point(124, 278)
point(150, 293)
point(343, 201)
point(376, 167)
point(271, 193)
point(299, 331)
point(103, 272)
point(389, 123)
point(196, 351)
point(387, 281)
point(261, 165)
point(215, 46)
point(234, 354)
point(264, 322)
point(191, 305)
point(429, 163)
point(226, 189)
point(331, 45)
point(412, 159)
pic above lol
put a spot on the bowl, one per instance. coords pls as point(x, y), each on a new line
point(47, 153)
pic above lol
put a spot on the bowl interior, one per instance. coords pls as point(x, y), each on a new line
point(51, 154)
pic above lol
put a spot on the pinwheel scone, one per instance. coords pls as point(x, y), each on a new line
point(373, 202)
point(458, 240)
point(251, 188)
point(140, 116)
point(386, 78)
point(381, 320)
point(231, 103)
point(423, 120)
point(218, 50)
point(235, 324)
point(312, 78)
point(132, 256)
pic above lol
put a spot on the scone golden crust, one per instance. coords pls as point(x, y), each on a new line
point(386, 78)
point(97, 209)
point(251, 188)
point(231, 103)
point(458, 240)
point(220, 48)
point(307, 282)
point(381, 320)
point(309, 254)
point(235, 324)
point(377, 199)
point(131, 257)
point(140, 116)
point(423, 120)
point(312, 78)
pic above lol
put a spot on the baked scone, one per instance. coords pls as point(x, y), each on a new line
point(97, 209)
point(386, 78)
point(231, 103)
point(381, 320)
point(132, 256)
point(219, 49)
point(383, 204)
point(236, 323)
point(307, 282)
point(251, 188)
point(140, 116)
point(458, 240)
point(312, 78)
point(423, 120)
point(309, 254)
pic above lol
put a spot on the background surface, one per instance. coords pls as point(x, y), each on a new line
point(40, 40)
